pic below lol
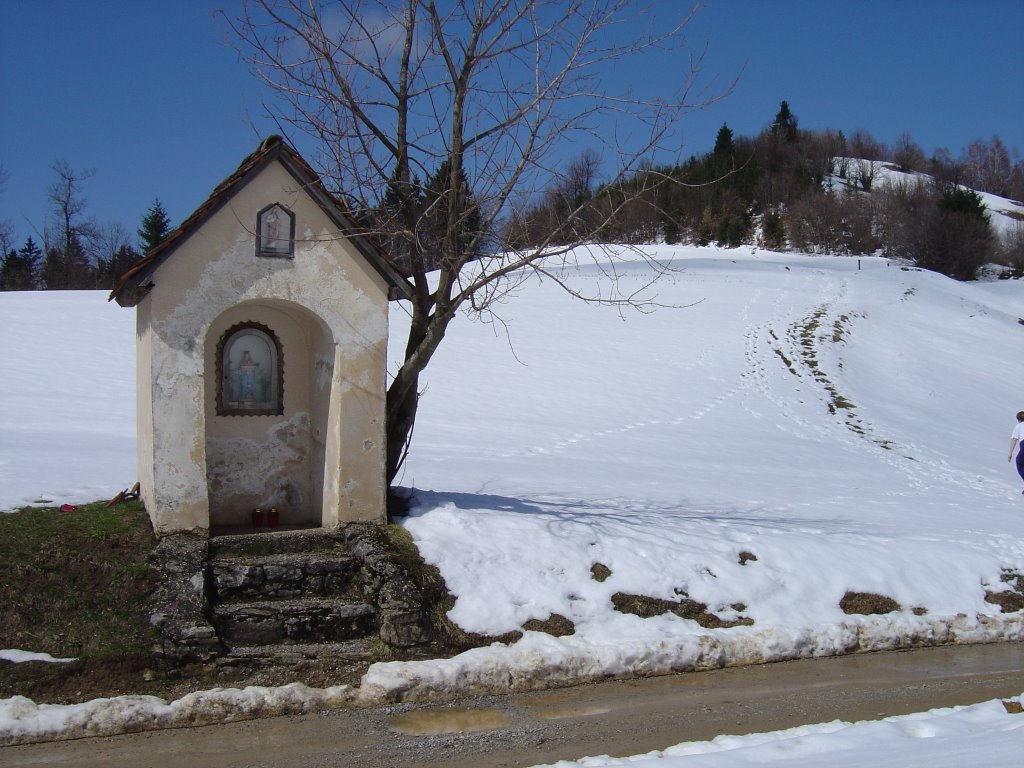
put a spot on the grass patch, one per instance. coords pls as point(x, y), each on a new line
point(1009, 600)
point(647, 607)
point(600, 572)
point(786, 361)
point(555, 625)
point(75, 584)
point(867, 604)
point(840, 403)
point(839, 329)
point(805, 336)
point(1013, 578)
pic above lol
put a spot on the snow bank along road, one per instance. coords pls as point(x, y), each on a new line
point(617, 718)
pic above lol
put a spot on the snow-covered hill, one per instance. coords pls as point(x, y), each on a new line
point(1004, 215)
point(844, 421)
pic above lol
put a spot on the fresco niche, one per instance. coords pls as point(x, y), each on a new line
point(250, 372)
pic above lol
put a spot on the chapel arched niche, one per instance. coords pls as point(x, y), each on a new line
point(269, 373)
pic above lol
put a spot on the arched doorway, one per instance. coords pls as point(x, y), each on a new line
point(269, 375)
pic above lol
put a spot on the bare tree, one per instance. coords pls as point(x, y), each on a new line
point(581, 176)
point(907, 153)
point(868, 154)
point(388, 90)
point(114, 254)
point(946, 171)
point(70, 236)
point(988, 166)
point(1012, 249)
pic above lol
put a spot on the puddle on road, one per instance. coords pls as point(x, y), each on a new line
point(435, 722)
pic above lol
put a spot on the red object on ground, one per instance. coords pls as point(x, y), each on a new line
point(272, 518)
point(68, 508)
point(257, 518)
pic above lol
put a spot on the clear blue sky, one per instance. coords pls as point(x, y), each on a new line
point(149, 94)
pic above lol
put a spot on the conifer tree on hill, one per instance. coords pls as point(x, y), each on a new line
point(440, 196)
point(724, 141)
point(155, 226)
point(784, 127)
point(20, 268)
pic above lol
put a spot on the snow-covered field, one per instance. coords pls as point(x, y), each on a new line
point(67, 404)
point(845, 421)
point(848, 427)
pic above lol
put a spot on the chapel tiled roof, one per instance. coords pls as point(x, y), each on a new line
point(134, 284)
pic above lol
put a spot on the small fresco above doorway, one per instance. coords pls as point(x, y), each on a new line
point(275, 232)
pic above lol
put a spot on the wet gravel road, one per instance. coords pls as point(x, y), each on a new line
point(618, 718)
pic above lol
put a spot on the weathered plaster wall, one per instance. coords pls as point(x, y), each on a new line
point(144, 408)
point(331, 306)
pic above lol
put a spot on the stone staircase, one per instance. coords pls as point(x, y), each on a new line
point(287, 595)
point(287, 588)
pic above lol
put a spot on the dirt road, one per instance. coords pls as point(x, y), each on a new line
point(618, 718)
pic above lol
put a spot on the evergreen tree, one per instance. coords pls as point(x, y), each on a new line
point(155, 226)
point(773, 231)
point(386, 218)
point(784, 126)
point(19, 269)
point(69, 269)
point(723, 142)
point(110, 270)
point(8, 269)
point(437, 200)
point(961, 240)
point(671, 230)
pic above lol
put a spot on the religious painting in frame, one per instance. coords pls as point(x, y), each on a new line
point(275, 232)
point(250, 372)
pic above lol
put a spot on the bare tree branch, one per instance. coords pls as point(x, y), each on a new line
point(489, 91)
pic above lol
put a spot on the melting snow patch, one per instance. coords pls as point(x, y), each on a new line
point(18, 657)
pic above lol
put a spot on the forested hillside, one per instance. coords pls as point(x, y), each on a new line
point(813, 191)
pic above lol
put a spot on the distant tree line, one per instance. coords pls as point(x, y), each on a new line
point(785, 188)
point(811, 191)
point(75, 252)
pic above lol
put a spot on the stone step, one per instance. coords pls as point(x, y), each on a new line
point(247, 576)
point(292, 653)
point(278, 542)
point(307, 620)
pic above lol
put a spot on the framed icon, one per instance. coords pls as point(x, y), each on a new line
point(275, 232)
point(250, 372)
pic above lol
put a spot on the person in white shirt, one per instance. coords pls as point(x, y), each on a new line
point(1015, 440)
